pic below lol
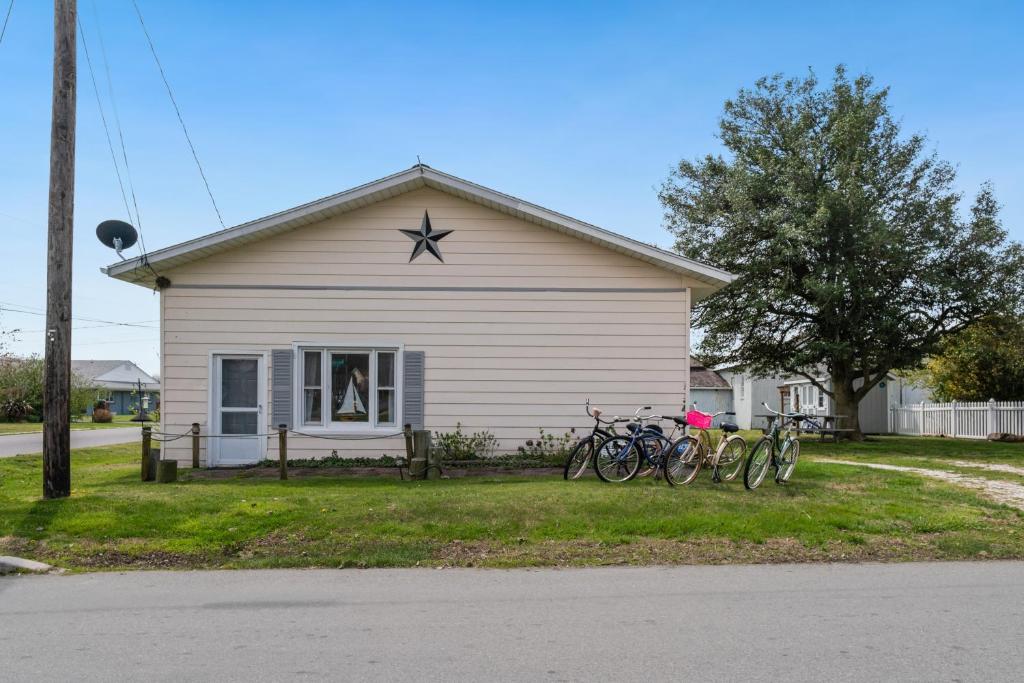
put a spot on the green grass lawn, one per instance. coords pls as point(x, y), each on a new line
point(827, 513)
point(85, 423)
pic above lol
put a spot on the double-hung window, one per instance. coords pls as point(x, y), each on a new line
point(349, 389)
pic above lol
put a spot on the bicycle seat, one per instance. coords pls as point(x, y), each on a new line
point(730, 427)
point(679, 420)
point(654, 428)
point(632, 426)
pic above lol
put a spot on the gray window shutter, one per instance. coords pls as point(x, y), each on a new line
point(412, 388)
point(281, 387)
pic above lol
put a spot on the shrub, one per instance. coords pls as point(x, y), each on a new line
point(21, 384)
point(458, 445)
point(548, 447)
point(15, 409)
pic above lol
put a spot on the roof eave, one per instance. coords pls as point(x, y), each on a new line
point(138, 270)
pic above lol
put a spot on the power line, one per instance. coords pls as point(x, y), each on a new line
point(177, 110)
point(142, 323)
point(103, 118)
point(120, 131)
point(7, 18)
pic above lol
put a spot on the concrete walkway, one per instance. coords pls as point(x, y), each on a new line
point(18, 444)
point(906, 622)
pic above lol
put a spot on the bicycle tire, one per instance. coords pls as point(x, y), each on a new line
point(575, 465)
point(755, 470)
point(787, 461)
point(732, 468)
point(683, 461)
point(619, 465)
point(652, 448)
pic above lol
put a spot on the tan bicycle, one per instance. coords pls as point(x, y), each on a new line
point(725, 458)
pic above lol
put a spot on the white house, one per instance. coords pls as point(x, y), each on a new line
point(873, 412)
point(419, 298)
point(748, 393)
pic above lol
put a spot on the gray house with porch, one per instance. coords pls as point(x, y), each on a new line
point(117, 382)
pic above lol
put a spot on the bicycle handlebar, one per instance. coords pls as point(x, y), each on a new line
point(789, 415)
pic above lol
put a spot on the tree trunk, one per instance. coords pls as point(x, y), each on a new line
point(846, 404)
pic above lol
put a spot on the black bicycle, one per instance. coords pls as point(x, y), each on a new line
point(582, 453)
point(770, 452)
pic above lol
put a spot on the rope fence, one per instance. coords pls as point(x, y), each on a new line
point(422, 461)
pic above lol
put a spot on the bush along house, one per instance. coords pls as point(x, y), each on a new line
point(419, 298)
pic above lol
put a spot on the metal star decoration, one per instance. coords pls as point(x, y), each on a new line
point(426, 239)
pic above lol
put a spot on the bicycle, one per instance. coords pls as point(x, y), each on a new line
point(769, 452)
point(726, 458)
point(618, 458)
point(582, 453)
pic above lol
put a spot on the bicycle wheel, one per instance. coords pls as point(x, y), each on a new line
point(579, 458)
point(652, 455)
point(787, 461)
point(758, 462)
point(730, 457)
point(683, 461)
point(617, 459)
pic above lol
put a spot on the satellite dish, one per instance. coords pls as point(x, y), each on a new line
point(117, 235)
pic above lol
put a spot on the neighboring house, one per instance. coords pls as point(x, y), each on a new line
point(749, 392)
point(711, 392)
point(873, 411)
point(348, 317)
point(116, 380)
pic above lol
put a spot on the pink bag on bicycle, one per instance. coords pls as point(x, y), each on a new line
point(699, 420)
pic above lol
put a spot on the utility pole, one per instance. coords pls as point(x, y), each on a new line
point(57, 380)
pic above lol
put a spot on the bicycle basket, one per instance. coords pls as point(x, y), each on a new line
point(699, 420)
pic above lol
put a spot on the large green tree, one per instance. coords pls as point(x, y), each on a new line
point(983, 361)
point(851, 252)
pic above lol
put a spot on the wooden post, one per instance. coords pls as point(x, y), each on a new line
point(57, 372)
point(408, 442)
point(282, 449)
point(167, 471)
point(433, 459)
point(147, 447)
point(195, 445)
point(420, 448)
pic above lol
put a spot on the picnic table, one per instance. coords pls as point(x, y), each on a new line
point(822, 425)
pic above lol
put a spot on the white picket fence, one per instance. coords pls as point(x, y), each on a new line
point(964, 420)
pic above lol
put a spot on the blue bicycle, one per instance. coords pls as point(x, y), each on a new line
point(620, 458)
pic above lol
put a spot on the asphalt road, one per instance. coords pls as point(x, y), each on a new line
point(18, 444)
point(920, 622)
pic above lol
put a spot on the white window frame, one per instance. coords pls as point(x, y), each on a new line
point(326, 425)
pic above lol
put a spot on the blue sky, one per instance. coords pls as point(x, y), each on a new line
point(580, 107)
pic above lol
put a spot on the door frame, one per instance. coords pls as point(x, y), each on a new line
point(213, 399)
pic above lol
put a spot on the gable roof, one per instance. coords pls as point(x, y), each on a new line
point(706, 378)
point(114, 374)
point(135, 270)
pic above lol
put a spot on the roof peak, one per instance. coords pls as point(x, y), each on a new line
point(141, 270)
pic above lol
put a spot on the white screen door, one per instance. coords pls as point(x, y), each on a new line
point(238, 409)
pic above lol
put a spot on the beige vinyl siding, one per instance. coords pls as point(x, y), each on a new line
point(507, 361)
